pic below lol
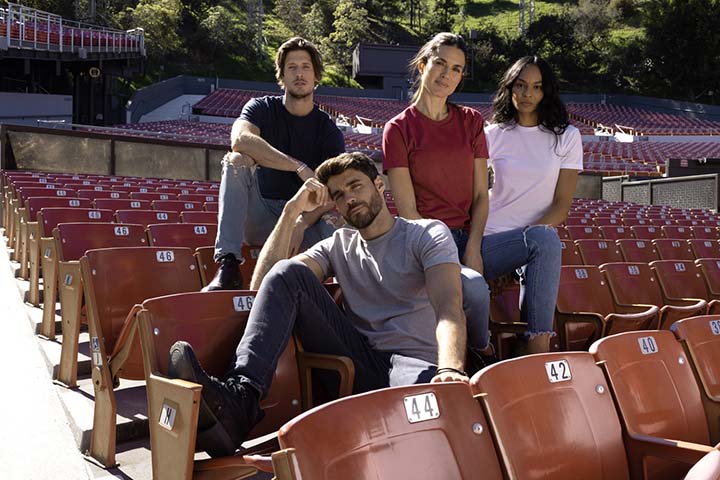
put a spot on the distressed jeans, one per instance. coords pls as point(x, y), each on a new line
point(534, 251)
point(293, 300)
point(245, 216)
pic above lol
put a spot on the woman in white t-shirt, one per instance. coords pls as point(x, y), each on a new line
point(536, 156)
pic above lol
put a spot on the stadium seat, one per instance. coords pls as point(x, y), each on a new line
point(585, 310)
point(584, 233)
point(710, 271)
point(570, 254)
point(43, 244)
point(644, 231)
point(198, 197)
point(579, 221)
point(700, 337)
point(615, 232)
point(597, 252)
point(208, 267)
point(116, 281)
point(421, 432)
point(213, 323)
point(95, 194)
point(152, 196)
point(706, 232)
point(71, 241)
point(704, 248)
point(146, 217)
point(121, 204)
point(30, 227)
point(674, 231)
point(637, 250)
point(635, 284)
point(673, 249)
point(176, 205)
point(191, 235)
point(668, 408)
point(211, 206)
point(575, 431)
point(607, 222)
point(199, 217)
point(635, 222)
point(562, 232)
point(681, 284)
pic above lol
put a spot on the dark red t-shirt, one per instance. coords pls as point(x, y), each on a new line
point(440, 157)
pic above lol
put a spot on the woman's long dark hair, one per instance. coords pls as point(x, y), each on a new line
point(552, 114)
point(431, 48)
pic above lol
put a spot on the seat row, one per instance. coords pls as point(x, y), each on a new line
point(634, 229)
point(597, 252)
point(540, 416)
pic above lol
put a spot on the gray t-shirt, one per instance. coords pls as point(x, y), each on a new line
point(383, 282)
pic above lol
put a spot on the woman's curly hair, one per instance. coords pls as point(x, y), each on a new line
point(552, 114)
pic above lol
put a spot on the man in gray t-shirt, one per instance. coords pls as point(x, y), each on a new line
point(403, 319)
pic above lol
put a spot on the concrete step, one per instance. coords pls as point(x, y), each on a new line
point(52, 350)
point(131, 399)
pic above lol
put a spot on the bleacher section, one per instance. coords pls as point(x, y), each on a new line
point(637, 121)
point(168, 409)
point(28, 28)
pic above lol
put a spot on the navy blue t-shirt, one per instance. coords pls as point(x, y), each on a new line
point(311, 139)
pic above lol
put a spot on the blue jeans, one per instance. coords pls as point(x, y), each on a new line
point(534, 251)
point(245, 216)
point(292, 299)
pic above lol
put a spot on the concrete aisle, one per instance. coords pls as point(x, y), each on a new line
point(35, 439)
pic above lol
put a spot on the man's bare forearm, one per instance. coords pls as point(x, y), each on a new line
point(277, 246)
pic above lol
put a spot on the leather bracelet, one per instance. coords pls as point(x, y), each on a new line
point(450, 369)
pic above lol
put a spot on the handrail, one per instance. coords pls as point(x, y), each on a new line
point(26, 27)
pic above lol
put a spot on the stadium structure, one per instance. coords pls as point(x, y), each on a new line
point(631, 389)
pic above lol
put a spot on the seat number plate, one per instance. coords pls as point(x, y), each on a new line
point(165, 256)
point(648, 345)
point(558, 371)
point(161, 216)
point(122, 231)
point(243, 303)
point(420, 408)
point(200, 230)
point(167, 416)
point(715, 327)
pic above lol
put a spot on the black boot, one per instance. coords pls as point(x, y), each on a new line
point(227, 276)
point(228, 410)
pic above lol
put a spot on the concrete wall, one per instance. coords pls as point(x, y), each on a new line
point(698, 191)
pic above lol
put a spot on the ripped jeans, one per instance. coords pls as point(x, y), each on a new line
point(535, 252)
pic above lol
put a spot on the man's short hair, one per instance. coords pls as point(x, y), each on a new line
point(352, 160)
point(298, 43)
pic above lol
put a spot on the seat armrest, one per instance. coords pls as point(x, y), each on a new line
point(342, 365)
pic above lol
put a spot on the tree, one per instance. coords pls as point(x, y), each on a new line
point(314, 24)
point(442, 16)
point(349, 28)
point(222, 30)
point(290, 12)
point(592, 20)
point(681, 50)
point(161, 21)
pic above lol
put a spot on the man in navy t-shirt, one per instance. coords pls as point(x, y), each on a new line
point(277, 143)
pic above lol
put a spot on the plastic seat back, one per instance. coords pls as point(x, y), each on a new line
point(708, 232)
point(208, 267)
point(214, 323)
point(673, 231)
point(597, 252)
point(701, 337)
point(116, 279)
point(146, 217)
point(580, 233)
point(421, 432)
point(615, 232)
point(655, 390)
point(49, 218)
point(182, 235)
point(121, 204)
point(710, 270)
point(705, 248)
point(644, 231)
point(637, 250)
point(673, 249)
point(74, 239)
point(679, 279)
point(35, 204)
point(632, 283)
point(570, 254)
point(199, 217)
point(176, 205)
point(553, 417)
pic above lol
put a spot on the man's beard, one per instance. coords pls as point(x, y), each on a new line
point(363, 220)
point(299, 96)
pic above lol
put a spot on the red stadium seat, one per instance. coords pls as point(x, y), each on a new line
point(681, 284)
point(597, 252)
point(191, 235)
point(584, 233)
point(570, 254)
point(673, 249)
point(146, 217)
point(637, 250)
point(199, 217)
point(704, 248)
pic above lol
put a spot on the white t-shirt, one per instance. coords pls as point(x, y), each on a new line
point(527, 164)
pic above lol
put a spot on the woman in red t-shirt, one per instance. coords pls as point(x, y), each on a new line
point(435, 157)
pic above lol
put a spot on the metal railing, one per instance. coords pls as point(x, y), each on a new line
point(29, 28)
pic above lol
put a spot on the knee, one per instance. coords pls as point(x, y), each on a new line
point(288, 272)
point(475, 289)
point(543, 239)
